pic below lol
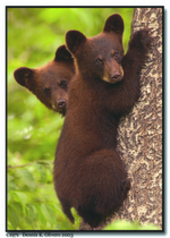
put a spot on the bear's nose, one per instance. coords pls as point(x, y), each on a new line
point(116, 76)
point(61, 103)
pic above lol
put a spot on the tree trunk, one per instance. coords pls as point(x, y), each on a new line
point(140, 133)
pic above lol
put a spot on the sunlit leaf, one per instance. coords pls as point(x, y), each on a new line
point(28, 179)
point(14, 214)
point(128, 225)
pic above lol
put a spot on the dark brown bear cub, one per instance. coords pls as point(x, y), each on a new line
point(89, 174)
point(50, 82)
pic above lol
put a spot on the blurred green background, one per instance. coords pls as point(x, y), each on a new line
point(33, 35)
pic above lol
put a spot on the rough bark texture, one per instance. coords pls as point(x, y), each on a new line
point(140, 133)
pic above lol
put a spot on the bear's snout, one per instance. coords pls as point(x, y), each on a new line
point(116, 76)
point(61, 103)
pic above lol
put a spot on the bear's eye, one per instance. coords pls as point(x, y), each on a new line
point(116, 55)
point(99, 61)
point(47, 92)
point(63, 84)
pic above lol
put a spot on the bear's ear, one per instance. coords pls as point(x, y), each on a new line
point(114, 23)
point(22, 74)
point(74, 39)
point(62, 54)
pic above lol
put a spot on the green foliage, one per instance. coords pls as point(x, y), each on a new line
point(127, 225)
point(32, 203)
point(33, 35)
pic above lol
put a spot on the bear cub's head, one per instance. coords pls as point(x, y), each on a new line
point(50, 82)
point(101, 54)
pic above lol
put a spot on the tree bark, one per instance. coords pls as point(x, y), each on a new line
point(140, 133)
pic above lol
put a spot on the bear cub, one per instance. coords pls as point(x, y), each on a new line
point(50, 82)
point(89, 174)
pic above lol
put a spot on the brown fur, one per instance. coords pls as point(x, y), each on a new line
point(89, 174)
point(50, 82)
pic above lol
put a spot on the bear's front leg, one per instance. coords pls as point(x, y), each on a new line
point(132, 63)
point(139, 46)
